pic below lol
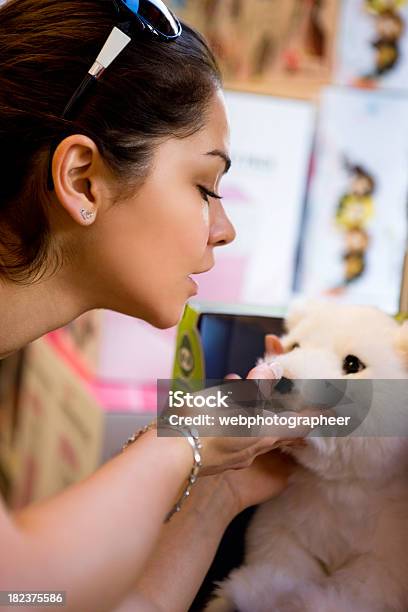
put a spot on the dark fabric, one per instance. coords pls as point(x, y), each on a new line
point(230, 554)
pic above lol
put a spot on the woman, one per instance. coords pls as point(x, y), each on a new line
point(113, 203)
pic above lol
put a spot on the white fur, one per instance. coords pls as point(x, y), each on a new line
point(336, 540)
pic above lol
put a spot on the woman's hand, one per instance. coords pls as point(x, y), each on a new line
point(266, 477)
point(233, 453)
point(223, 453)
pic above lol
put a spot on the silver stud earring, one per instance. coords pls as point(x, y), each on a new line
point(87, 215)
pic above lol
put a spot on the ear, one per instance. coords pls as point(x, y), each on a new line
point(76, 171)
point(297, 311)
point(301, 307)
point(273, 345)
point(401, 342)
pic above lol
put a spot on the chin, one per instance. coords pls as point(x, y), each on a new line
point(162, 314)
point(165, 319)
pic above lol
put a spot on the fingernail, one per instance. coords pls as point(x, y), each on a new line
point(276, 368)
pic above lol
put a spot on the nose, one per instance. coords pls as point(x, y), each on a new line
point(285, 385)
point(222, 231)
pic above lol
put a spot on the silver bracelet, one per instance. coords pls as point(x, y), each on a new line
point(193, 439)
point(138, 434)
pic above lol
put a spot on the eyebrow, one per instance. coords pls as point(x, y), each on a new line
point(224, 156)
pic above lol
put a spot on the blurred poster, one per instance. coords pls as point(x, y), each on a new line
point(373, 44)
point(265, 39)
point(264, 192)
point(356, 226)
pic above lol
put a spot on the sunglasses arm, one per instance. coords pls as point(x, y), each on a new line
point(114, 45)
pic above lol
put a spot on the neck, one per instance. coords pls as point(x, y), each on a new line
point(30, 311)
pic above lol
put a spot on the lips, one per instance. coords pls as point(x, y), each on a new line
point(193, 281)
point(205, 270)
point(194, 285)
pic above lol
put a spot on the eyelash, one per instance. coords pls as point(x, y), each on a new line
point(206, 193)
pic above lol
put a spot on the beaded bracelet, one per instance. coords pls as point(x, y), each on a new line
point(193, 439)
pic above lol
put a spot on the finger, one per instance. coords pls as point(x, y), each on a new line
point(273, 345)
point(269, 371)
point(232, 377)
point(283, 432)
point(300, 442)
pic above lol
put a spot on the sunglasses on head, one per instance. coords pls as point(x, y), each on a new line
point(149, 17)
point(153, 15)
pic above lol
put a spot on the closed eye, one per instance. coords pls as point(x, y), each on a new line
point(206, 193)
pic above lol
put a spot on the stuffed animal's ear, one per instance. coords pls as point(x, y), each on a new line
point(402, 342)
point(297, 311)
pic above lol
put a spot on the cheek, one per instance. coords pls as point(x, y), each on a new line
point(189, 235)
point(159, 237)
point(205, 212)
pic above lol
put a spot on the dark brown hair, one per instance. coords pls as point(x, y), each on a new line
point(152, 90)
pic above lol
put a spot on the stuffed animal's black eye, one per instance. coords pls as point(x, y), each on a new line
point(353, 365)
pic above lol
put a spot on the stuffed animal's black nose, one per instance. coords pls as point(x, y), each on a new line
point(285, 385)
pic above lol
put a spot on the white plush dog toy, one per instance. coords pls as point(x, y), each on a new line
point(336, 540)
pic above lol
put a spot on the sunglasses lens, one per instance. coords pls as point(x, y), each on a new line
point(156, 13)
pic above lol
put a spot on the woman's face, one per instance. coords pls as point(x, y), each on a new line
point(148, 245)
